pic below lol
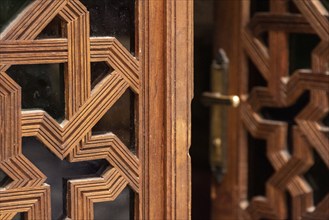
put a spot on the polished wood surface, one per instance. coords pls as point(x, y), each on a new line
point(160, 76)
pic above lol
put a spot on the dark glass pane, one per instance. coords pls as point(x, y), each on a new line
point(122, 208)
point(287, 115)
point(256, 79)
point(9, 9)
point(318, 178)
point(42, 87)
point(259, 167)
point(4, 179)
point(113, 18)
point(55, 29)
point(19, 216)
point(289, 205)
point(259, 6)
point(301, 47)
point(119, 120)
point(99, 71)
point(59, 171)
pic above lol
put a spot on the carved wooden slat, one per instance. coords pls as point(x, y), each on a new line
point(62, 138)
point(258, 53)
point(34, 201)
point(10, 118)
point(85, 192)
point(111, 148)
point(117, 56)
point(34, 52)
point(78, 66)
point(316, 14)
point(290, 23)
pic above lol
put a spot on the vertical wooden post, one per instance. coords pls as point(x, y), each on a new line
point(167, 57)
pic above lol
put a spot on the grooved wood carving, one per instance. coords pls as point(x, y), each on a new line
point(72, 138)
point(282, 90)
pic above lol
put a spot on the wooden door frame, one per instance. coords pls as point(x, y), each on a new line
point(166, 45)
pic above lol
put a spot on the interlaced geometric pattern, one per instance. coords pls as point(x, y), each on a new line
point(72, 139)
point(283, 89)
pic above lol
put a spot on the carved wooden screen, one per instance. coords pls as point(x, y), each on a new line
point(286, 111)
point(95, 109)
point(30, 39)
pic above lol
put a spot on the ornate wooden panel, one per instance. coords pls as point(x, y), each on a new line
point(84, 107)
point(146, 71)
point(285, 111)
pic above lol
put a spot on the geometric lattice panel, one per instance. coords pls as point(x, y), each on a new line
point(294, 138)
point(24, 41)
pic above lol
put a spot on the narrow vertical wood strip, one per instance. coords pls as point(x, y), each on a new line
point(179, 93)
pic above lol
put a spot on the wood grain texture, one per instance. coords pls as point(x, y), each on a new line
point(179, 94)
point(167, 86)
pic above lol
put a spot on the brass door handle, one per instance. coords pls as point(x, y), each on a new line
point(219, 105)
point(216, 98)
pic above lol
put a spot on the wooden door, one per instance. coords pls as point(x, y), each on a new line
point(95, 109)
point(278, 138)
